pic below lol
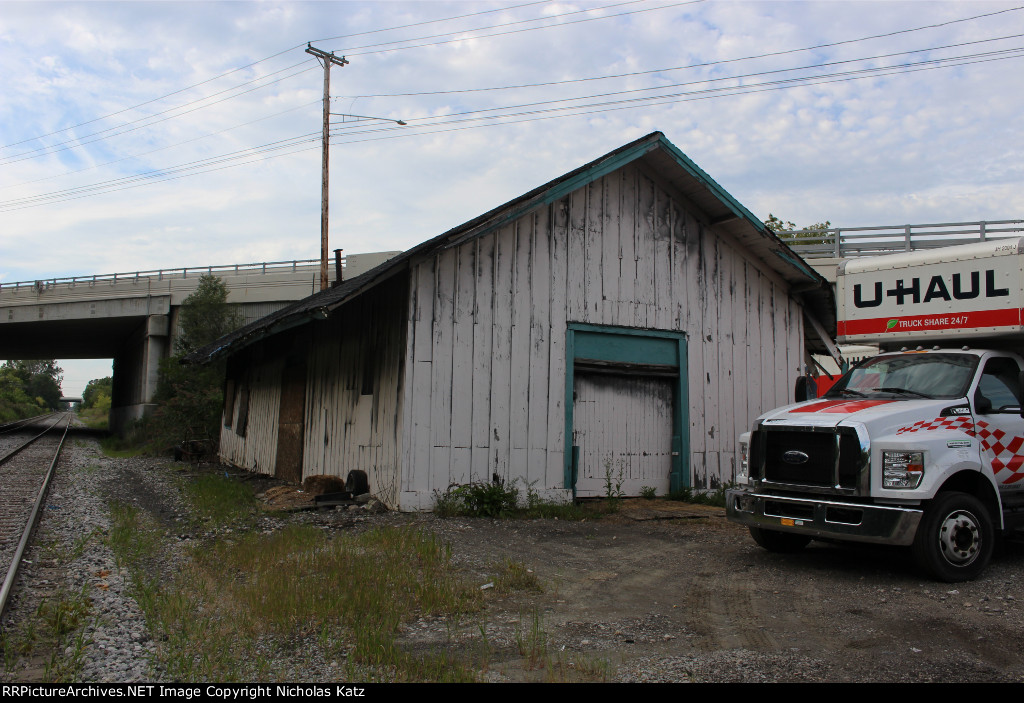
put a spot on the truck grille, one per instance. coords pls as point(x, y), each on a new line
point(770, 445)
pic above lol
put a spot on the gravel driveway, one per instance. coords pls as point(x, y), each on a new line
point(659, 591)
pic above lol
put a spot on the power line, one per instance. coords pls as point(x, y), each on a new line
point(162, 148)
point(149, 121)
point(268, 58)
point(70, 144)
point(77, 142)
point(158, 173)
point(354, 52)
point(297, 145)
point(705, 64)
point(349, 50)
point(734, 77)
point(737, 91)
point(420, 24)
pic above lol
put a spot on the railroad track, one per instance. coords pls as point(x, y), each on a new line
point(28, 458)
point(10, 427)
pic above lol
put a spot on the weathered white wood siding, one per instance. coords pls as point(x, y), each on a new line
point(258, 374)
point(485, 365)
point(353, 390)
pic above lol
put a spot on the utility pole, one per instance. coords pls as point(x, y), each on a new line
point(326, 60)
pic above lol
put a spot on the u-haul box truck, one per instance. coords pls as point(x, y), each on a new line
point(922, 445)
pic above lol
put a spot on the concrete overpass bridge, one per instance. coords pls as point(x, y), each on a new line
point(132, 317)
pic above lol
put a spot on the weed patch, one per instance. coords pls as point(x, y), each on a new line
point(346, 595)
point(54, 637)
point(515, 576)
point(498, 501)
point(478, 500)
point(716, 497)
point(118, 448)
point(613, 493)
point(219, 500)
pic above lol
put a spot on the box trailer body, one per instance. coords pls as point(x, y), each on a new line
point(922, 445)
point(971, 292)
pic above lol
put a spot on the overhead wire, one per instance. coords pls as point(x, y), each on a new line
point(738, 90)
point(84, 139)
point(705, 64)
point(280, 53)
point(224, 161)
point(160, 174)
point(736, 77)
point(120, 129)
point(264, 59)
point(165, 147)
point(297, 144)
point(349, 51)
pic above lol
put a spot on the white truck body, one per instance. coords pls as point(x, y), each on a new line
point(917, 447)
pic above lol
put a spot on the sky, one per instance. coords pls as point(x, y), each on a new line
point(147, 135)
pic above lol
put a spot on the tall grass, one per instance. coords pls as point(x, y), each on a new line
point(348, 594)
point(219, 500)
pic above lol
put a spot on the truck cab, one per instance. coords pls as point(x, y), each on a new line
point(920, 446)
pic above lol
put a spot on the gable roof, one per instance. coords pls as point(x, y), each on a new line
point(658, 157)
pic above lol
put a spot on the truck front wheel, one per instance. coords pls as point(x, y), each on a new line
point(783, 542)
point(955, 539)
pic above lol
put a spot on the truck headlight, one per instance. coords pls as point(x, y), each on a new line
point(902, 469)
point(744, 471)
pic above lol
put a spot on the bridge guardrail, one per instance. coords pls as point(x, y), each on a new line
point(162, 274)
point(840, 242)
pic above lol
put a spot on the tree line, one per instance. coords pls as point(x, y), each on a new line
point(29, 388)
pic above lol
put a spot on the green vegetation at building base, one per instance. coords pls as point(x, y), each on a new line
point(498, 500)
point(715, 497)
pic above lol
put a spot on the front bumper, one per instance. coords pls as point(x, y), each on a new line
point(880, 524)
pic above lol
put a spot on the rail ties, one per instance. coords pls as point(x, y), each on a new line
point(27, 462)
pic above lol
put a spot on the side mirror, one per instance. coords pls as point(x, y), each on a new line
point(982, 405)
point(806, 389)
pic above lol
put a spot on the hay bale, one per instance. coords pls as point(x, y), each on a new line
point(322, 483)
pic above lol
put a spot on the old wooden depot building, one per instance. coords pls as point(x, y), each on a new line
point(625, 321)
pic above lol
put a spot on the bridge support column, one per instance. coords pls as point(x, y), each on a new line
point(136, 373)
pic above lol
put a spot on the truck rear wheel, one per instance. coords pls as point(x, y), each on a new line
point(781, 542)
point(955, 539)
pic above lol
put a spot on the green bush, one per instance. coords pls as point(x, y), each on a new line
point(478, 500)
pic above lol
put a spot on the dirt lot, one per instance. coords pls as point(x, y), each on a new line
point(673, 592)
point(659, 591)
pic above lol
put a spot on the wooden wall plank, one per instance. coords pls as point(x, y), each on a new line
point(482, 355)
point(611, 249)
point(501, 351)
point(441, 381)
point(463, 379)
point(539, 345)
point(563, 232)
point(519, 393)
point(577, 268)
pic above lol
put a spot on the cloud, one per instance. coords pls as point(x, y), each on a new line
point(907, 145)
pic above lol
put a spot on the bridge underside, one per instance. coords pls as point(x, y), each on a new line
point(94, 338)
point(130, 318)
point(133, 331)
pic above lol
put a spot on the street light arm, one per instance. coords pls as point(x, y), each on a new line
point(367, 117)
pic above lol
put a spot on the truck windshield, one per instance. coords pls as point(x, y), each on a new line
point(908, 375)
